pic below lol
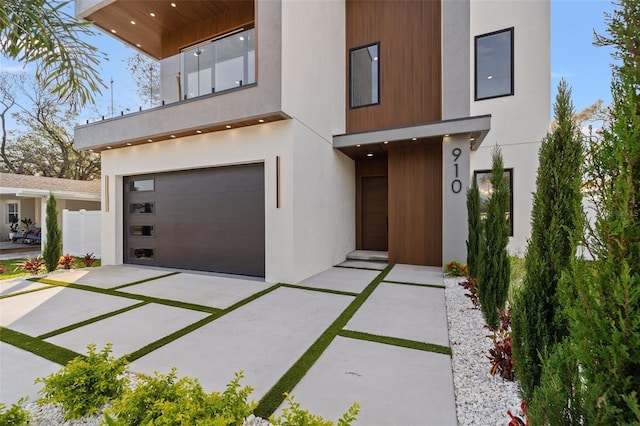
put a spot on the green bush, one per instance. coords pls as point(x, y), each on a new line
point(293, 415)
point(85, 384)
point(556, 226)
point(475, 228)
point(493, 270)
point(14, 416)
point(53, 245)
point(166, 400)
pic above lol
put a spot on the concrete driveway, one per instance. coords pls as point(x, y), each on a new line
point(388, 345)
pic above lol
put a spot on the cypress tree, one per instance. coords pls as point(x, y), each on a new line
point(473, 244)
point(556, 225)
point(494, 271)
point(53, 245)
point(603, 296)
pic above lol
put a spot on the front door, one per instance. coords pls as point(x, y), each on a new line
point(374, 213)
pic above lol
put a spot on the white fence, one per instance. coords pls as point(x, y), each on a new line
point(81, 232)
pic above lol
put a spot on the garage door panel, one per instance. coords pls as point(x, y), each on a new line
point(206, 219)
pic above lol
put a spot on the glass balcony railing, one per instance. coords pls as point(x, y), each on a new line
point(217, 65)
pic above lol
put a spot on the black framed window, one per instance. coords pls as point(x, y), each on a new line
point(483, 179)
point(494, 64)
point(364, 75)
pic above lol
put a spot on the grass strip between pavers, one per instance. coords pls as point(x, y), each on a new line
point(143, 298)
point(275, 396)
point(145, 280)
point(396, 341)
point(358, 267)
point(38, 347)
point(90, 321)
point(416, 284)
point(196, 325)
point(321, 290)
point(19, 293)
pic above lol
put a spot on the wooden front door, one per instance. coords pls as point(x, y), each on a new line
point(374, 213)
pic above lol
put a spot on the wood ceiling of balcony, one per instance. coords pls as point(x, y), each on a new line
point(147, 32)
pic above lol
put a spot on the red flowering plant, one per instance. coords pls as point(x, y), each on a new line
point(456, 269)
point(500, 355)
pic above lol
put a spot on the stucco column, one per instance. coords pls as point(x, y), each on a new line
point(455, 182)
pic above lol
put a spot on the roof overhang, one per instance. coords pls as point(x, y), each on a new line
point(61, 195)
point(476, 128)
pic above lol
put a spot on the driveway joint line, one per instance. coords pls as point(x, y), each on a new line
point(415, 284)
point(145, 280)
point(322, 290)
point(396, 341)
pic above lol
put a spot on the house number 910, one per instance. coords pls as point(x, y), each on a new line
point(456, 184)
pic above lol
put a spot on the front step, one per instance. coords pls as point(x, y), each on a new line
point(370, 255)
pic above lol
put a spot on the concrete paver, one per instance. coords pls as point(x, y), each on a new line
point(207, 290)
point(393, 385)
point(49, 309)
point(364, 264)
point(107, 276)
point(18, 371)
point(404, 311)
point(18, 285)
point(143, 325)
point(342, 279)
point(264, 338)
point(416, 274)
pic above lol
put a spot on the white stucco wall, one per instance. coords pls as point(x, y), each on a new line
point(313, 64)
point(324, 215)
point(518, 122)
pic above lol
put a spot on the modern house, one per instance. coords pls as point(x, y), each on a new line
point(292, 133)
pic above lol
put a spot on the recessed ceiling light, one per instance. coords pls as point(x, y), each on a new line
point(149, 140)
point(414, 139)
point(173, 5)
point(490, 77)
point(153, 15)
point(198, 131)
point(128, 143)
point(241, 38)
point(138, 45)
point(133, 22)
point(108, 147)
point(227, 126)
point(375, 58)
point(369, 155)
point(446, 136)
point(113, 31)
point(358, 145)
point(173, 136)
point(261, 121)
point(386, 142)
point(472, 139)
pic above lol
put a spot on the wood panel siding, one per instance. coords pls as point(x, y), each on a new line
point(415, 203)
point(410, 61)
point(366, 168)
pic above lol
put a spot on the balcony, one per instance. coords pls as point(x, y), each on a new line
point(221, 83)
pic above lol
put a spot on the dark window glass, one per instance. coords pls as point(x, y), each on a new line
point(142, 253)
point(365, 76)
point(142, 230)
point(141, 208)
point(483, 178)
point(142, 185)
point(494, 64)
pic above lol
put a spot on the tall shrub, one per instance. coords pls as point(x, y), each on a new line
point(53, 245)
point(473, 243)
point(603, 296)
point(556, 225)
point(493, 271)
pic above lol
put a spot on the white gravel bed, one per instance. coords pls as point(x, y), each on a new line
point(480, 398)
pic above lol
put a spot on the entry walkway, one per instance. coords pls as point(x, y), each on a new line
point(378, 335)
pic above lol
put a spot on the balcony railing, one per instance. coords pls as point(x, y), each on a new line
point(217, 65)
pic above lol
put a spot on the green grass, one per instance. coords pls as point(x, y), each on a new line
point(10, 266)
point(396, 341)
point(36, 346)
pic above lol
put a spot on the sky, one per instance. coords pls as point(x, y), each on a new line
point(573, 57)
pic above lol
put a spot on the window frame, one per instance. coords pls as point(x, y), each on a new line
point(9, 212)
point(477, 38)
point(509, 173)
point(353, 49)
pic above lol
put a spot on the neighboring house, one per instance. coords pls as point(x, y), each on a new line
point(294, 132)
point(24, 196)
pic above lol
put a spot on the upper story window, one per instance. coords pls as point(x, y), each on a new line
point(220, 64)
point(364, 74)
point(494, 64)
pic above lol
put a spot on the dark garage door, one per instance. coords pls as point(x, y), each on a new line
point(204, 219)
